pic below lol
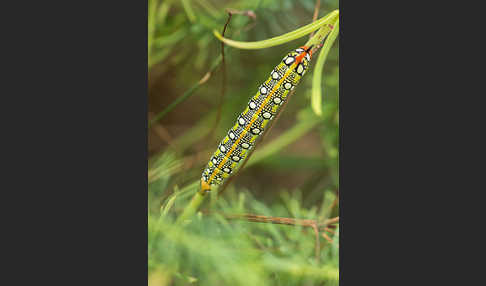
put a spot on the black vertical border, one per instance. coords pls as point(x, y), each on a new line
point(406, 125)
point(77, 161)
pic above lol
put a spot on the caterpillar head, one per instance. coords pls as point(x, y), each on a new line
point(300, 58)
point(304, 53)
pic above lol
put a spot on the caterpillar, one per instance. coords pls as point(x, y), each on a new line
point(252, 122)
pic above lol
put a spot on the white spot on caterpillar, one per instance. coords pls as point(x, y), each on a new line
point(263, 90)
point(222, 148)
point(287, 85)
point(300, 69)
point(307, 56)
point(299, 50)
point(245, 145)
point(267, 115)
point(227, 170)
point(215, 161)
point(232, 135)
point(236, 158)
point(277, 100)
point(289, 60)
point(241, 121)
point(275, 75)
point(252, 105)
point(256, 131)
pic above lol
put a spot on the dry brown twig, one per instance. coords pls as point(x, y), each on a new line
point(312, 223)
point(316, 13)
point(295, 222)
point(249, 13)
point(329, 230)
point(282, 220)
point(230, 12)
point(327, 237)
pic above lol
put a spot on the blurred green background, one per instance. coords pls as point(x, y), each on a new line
point(292, 173)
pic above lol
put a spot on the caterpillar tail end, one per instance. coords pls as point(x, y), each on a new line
point(205, 187)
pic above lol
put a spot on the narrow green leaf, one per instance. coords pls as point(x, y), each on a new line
point(170, 39)
point(316, 96)
point(186, 94)
point(169, 204)
point(188, 9)
point(296, 34)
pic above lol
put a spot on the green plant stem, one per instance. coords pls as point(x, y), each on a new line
point(316, 96)
point(296, 34)
point(321, 34)
point(176, 102)
point(191, 208)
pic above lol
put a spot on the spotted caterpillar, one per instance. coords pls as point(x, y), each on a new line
point(261, 109)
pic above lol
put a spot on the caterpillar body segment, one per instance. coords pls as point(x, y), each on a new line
point(253, 121)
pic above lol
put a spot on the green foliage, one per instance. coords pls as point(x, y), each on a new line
point(209, 249)
point(293, 173)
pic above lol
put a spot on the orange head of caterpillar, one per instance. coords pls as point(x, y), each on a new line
point(304, 51)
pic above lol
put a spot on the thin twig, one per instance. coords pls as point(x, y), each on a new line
point(327, 237)
point(276, 220)
point(316, 227)
point(281, 220)
point(230, 12)
point(185, 96)
point(329, 221)
point(316, 13)
point(223, 86)
point(250, 14)
point(291, 221)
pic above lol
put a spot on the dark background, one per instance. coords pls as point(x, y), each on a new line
point(71, 212)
